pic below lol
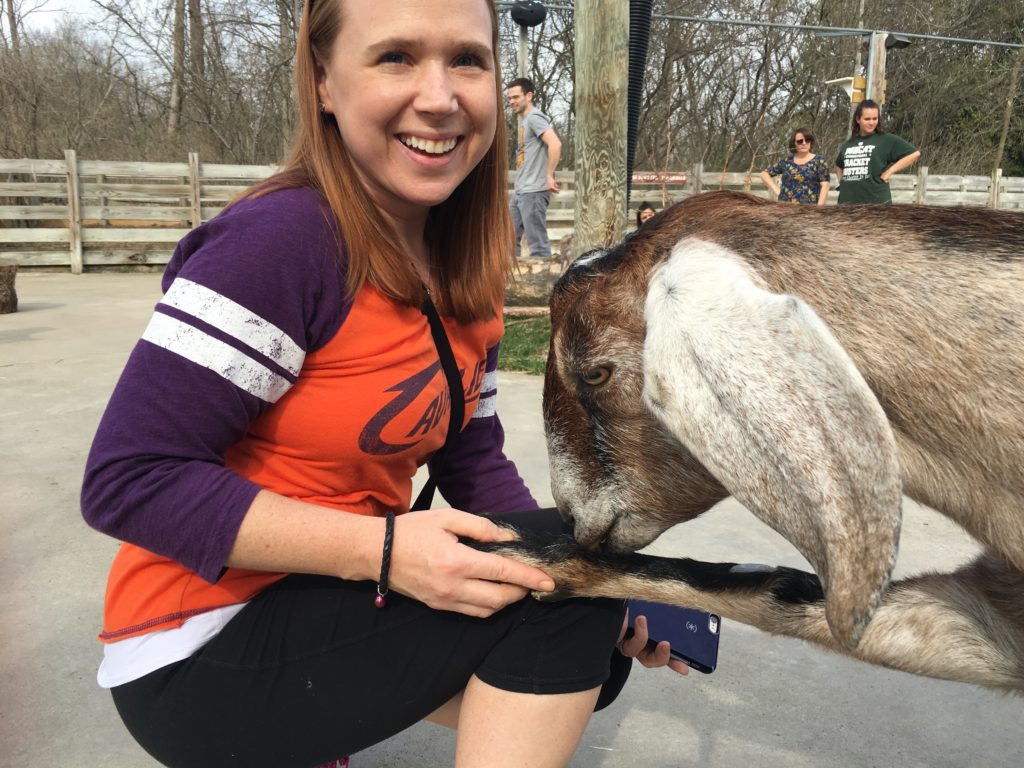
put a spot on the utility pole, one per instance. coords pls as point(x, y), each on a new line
point(860, 48)
point(876, 66)
point(601, 28)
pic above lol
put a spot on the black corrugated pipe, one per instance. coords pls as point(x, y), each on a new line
point(639, 38)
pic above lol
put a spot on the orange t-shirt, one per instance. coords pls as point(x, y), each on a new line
point(367, 409)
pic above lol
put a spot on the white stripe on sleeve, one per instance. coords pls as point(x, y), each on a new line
point(488, 402)
point(237, 321)
point(486, 406)
point(203, 349)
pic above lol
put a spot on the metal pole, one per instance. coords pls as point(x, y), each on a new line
point(522, 51)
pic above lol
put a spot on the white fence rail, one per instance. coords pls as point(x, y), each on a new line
point(86, 214)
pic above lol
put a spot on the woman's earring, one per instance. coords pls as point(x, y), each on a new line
point(323, 109)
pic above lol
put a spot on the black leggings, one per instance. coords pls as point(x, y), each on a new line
point(311, 670)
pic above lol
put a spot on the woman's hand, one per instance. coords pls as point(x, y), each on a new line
point(636, 647)
point(774, 188)
point(429, 564)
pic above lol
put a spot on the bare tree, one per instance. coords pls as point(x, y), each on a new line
point(197, 60)
point(153, 79)
point(13, 22)
point(177, 70)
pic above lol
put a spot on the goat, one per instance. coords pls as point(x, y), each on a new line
point(816, 364)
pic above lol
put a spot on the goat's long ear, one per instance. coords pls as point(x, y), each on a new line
point(756, 387)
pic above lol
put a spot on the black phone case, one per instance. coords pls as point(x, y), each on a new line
point(692, 635)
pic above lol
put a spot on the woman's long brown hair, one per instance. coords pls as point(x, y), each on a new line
point(469, 235)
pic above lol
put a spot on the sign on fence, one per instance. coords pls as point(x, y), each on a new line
point(659, 177)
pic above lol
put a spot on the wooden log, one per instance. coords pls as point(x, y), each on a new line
point(8, 295)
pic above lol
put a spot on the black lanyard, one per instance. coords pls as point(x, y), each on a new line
point(458, 400)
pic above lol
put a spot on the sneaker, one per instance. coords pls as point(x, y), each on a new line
point(342, 763)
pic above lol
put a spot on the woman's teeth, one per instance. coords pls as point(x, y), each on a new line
point(429, 146)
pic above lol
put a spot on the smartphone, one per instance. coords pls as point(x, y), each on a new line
point(693, 635)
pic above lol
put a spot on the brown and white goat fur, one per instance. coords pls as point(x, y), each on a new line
point(816, 364)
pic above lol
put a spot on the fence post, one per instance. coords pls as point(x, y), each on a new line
point(921, 193)
point(101, 179)
point(997, 178)
point(74, 212)
point(193, 187)
point(698, 178)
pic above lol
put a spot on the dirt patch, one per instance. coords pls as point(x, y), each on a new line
point(531, 286)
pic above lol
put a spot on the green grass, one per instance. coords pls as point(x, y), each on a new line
point(525, 346)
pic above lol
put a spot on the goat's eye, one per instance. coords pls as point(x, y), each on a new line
point(595, 377)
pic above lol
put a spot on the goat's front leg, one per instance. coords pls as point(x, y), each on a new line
point(966, 626)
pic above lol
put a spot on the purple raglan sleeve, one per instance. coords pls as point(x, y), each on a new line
point(476, 475)
point(247, 295)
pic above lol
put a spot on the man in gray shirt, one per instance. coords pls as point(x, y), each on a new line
point(537, 156)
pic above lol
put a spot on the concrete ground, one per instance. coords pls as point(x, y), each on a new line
point(773, 702)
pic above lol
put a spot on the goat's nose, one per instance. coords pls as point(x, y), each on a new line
point(592, 538)
point(567, 516)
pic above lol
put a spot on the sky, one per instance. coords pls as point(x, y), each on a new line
point(51, 11)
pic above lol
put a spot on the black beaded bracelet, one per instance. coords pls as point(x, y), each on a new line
point(385, 561)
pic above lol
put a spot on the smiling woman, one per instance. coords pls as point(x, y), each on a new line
point(416, 113)
point(364, 140)
point(276, 603)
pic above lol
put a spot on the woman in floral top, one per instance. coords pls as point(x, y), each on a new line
point(803, 175)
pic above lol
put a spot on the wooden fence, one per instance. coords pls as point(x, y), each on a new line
point(99, 213)
point(93, 214)
point(916, 186)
